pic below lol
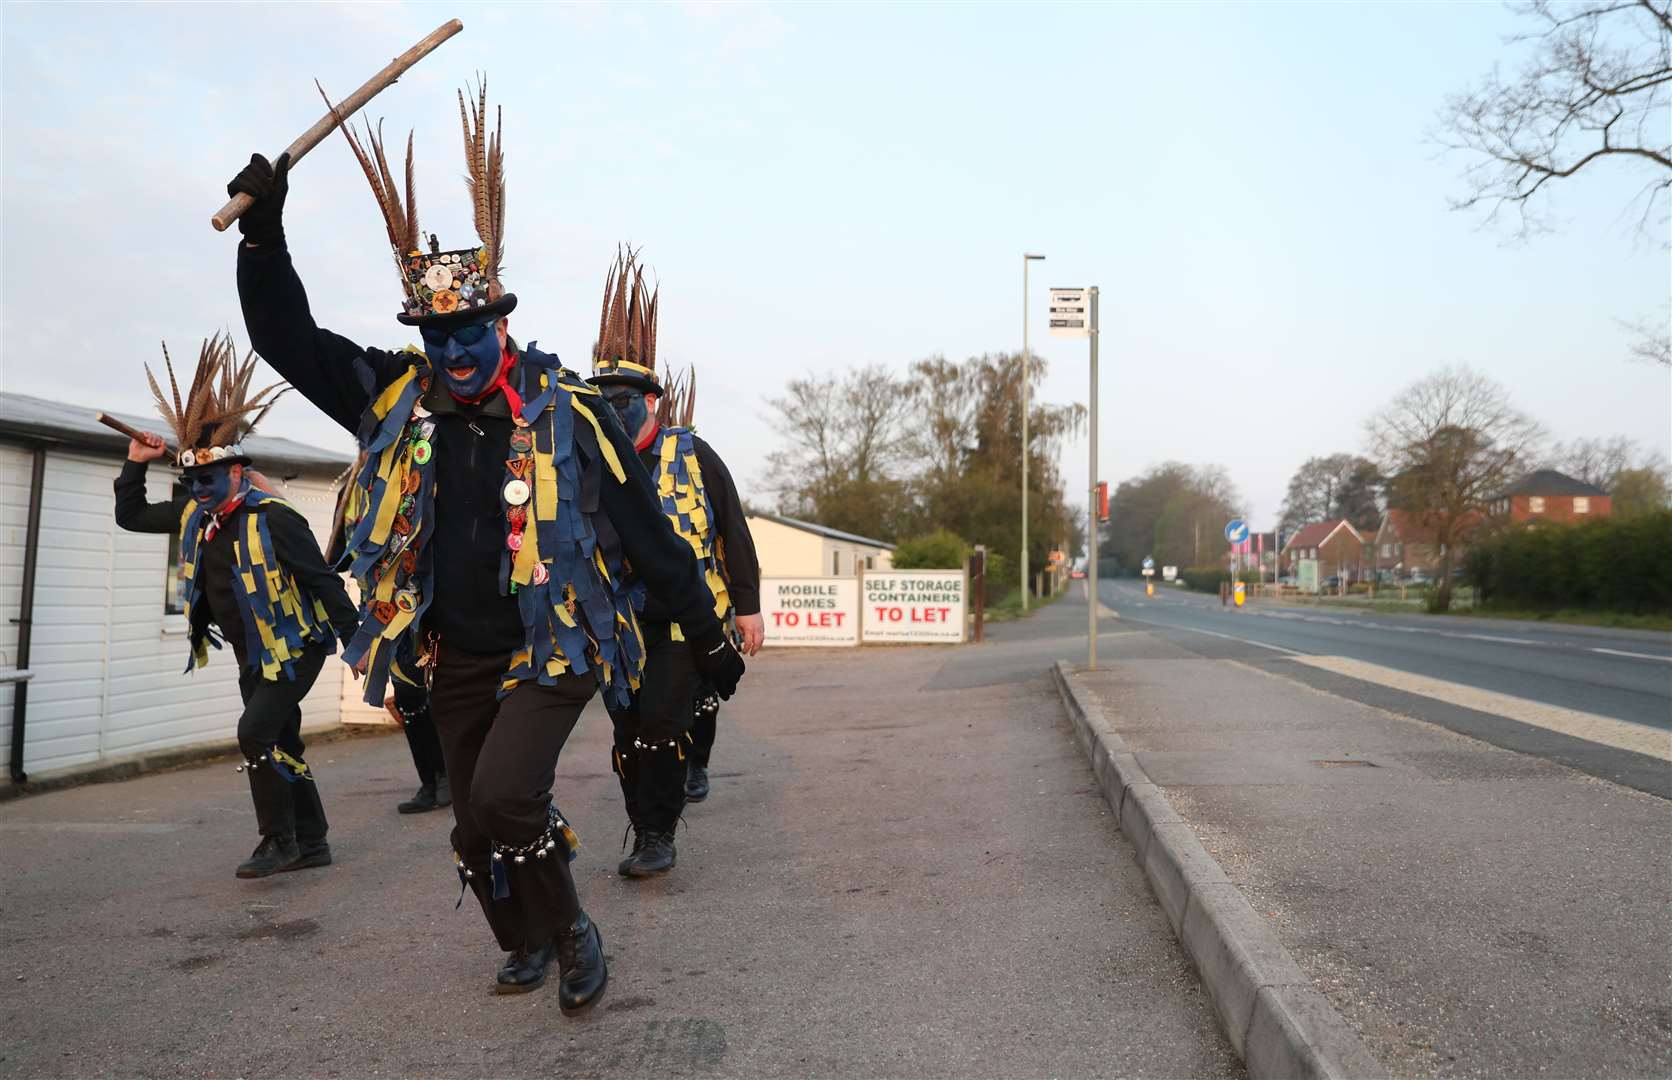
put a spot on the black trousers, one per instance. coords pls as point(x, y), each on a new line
point(413, 703)
point(653, 733)
point(273, 717)
point(501, 757)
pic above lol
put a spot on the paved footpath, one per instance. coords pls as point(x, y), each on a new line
point(904, 870)
point(1470, 910)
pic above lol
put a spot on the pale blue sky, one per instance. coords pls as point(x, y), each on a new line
point(823, 185)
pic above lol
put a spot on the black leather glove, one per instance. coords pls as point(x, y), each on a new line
point(716, 661)
point(268, 184)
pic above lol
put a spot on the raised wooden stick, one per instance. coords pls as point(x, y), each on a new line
point(120, 428)
point(234, 209)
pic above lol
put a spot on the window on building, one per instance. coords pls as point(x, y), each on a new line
point(1535, 504)
point(835, 564)
point(1581, 504)
point(870, 562)
point(174, 584)
point(1387, 549)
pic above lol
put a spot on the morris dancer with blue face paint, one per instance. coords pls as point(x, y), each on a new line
point(282, 629)
point(655, 755)
point(504, 503)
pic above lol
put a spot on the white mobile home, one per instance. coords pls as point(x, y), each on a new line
point(791, 548)
point(90, 620)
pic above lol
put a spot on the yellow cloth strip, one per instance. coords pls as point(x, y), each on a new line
point(604, 444)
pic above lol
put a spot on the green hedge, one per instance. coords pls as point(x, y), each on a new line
point(1610, 564)
point(1204, 578)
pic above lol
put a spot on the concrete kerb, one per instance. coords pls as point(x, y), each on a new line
point(1275, 1019)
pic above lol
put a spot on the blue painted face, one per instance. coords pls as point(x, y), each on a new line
point(630, 406)
point(210, 485)
point(468, 357)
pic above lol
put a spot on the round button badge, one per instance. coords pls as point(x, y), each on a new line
point(516, 492)
point(522, 441)
point(541, 575)
point(421, 451)
point(514, 541)
point(407, 600)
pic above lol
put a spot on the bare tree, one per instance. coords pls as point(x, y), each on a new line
point(1596, 89)
point(1601, 461)
point(844, 444)
point(1448, 443)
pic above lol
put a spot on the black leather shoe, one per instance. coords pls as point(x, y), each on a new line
point(623, 866)
point(273, 855)
point(423, 802)
point(443, 790)
point(655, 857)
point(525, 970)
point(314, 853)
point(696, 783)
point(580, 957)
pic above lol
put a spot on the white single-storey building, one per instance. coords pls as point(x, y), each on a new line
point(90, 620)
point(791, 548)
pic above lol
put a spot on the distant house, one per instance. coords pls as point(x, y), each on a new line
point(1548, 495)
point(788, 547)
point(1405, 544)
point(1337, 545)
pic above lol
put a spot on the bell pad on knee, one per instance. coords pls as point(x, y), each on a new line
point(559, 835)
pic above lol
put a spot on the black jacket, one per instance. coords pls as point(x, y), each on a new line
point(739, 564)
point(470, 448)
point(293, 545)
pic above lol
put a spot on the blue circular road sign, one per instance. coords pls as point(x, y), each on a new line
point(1236, 530)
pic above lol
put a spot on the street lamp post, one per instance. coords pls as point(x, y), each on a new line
point(1025, 373)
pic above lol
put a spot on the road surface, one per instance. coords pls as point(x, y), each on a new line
point(1596, 699)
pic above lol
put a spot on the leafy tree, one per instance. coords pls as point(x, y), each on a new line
point(1174, 512)
point(1640, 491)
point(939, 550)
point(1449, 442)
point(1336, 486)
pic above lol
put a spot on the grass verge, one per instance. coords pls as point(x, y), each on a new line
point(1618, 620)
point(1009, 606)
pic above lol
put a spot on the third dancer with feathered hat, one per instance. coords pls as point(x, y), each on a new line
point(652, 753)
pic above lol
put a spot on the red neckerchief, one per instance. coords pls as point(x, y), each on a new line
point(219, 516)
point(499, 383)
point(655, 429)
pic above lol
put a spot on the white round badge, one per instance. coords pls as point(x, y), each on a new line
point(516, 492)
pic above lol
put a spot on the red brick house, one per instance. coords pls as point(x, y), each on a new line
point(1405, 544)
point(1338, 547)
point(1548, 495)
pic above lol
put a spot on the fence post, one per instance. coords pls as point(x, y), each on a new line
point(978, 587)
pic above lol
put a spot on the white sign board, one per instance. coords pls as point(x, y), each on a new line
point(913, 606)
point(1070, 313)
point(1148, 571)
point(1169, 573)
point(810, 611)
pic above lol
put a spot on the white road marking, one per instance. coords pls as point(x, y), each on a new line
point(1489, 637)
point(1635, 655)
point(1621, 734)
